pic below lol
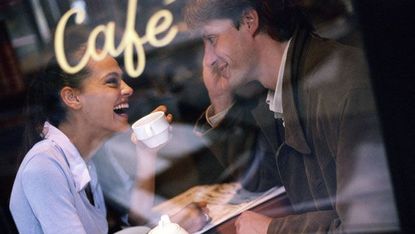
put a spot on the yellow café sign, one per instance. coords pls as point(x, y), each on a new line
point(131, 42)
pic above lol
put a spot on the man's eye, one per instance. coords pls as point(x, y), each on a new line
point(211, 39)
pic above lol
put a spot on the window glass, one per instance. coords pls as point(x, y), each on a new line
point(313, 129)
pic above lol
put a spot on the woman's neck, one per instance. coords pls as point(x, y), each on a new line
point(87, 142)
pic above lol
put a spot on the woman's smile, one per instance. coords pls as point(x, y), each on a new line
point(121, 109)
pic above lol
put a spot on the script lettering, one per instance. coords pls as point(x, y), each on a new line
point(131, 43)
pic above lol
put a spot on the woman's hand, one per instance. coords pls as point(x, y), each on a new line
point(192, 217)
point(169, 117)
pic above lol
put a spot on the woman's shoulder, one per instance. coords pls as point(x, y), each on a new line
point(44, 158)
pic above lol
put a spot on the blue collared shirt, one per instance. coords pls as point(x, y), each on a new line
point(48, 194)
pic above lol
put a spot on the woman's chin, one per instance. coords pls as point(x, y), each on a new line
point(124, 128)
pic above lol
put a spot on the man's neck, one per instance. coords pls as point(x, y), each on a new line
point(271, 56)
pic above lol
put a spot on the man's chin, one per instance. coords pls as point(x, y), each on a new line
point(249, 89)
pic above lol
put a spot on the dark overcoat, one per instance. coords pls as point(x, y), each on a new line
point(331, 160)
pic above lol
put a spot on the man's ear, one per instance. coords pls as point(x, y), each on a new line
point(251, 21)
point(70, 97)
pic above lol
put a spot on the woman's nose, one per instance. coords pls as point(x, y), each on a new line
point(126, 90)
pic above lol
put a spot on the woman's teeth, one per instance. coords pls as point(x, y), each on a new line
point(121, 108)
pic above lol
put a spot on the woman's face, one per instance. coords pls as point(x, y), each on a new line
point(104, 98)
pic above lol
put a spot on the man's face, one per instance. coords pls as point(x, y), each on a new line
point(229, 52)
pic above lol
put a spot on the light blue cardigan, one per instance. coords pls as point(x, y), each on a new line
point(48, 194)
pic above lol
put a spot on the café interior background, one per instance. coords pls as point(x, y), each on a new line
point(172, 76)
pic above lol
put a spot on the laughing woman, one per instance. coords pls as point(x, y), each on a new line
point(70, 116)
point(56, 188)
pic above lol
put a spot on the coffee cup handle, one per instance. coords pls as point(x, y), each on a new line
point(149, 130)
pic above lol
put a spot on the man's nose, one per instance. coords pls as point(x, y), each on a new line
point(209, 56)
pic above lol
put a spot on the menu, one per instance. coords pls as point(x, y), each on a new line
point(224, 201)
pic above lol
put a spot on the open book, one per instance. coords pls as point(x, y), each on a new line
point(224, 201)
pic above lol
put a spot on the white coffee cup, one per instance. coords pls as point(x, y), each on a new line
point(165, 226)
point(152, 129)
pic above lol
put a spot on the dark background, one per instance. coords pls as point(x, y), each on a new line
point(388, 28)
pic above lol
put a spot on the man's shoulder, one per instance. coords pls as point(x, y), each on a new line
point(330, 63)
point(324, 48)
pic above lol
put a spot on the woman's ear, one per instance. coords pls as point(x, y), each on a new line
point(70, 97)
point(251, 21)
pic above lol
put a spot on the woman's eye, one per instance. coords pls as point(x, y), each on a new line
point(113, 81)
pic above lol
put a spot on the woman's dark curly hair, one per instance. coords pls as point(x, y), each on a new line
point(43, 101)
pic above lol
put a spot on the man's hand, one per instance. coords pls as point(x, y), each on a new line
point(220, 92)
point(193, 217)
point(252, 223)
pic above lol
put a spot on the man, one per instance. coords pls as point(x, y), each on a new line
point(332, 161)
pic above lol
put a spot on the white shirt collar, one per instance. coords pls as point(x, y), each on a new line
point(274, 98)
point(76, 163)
